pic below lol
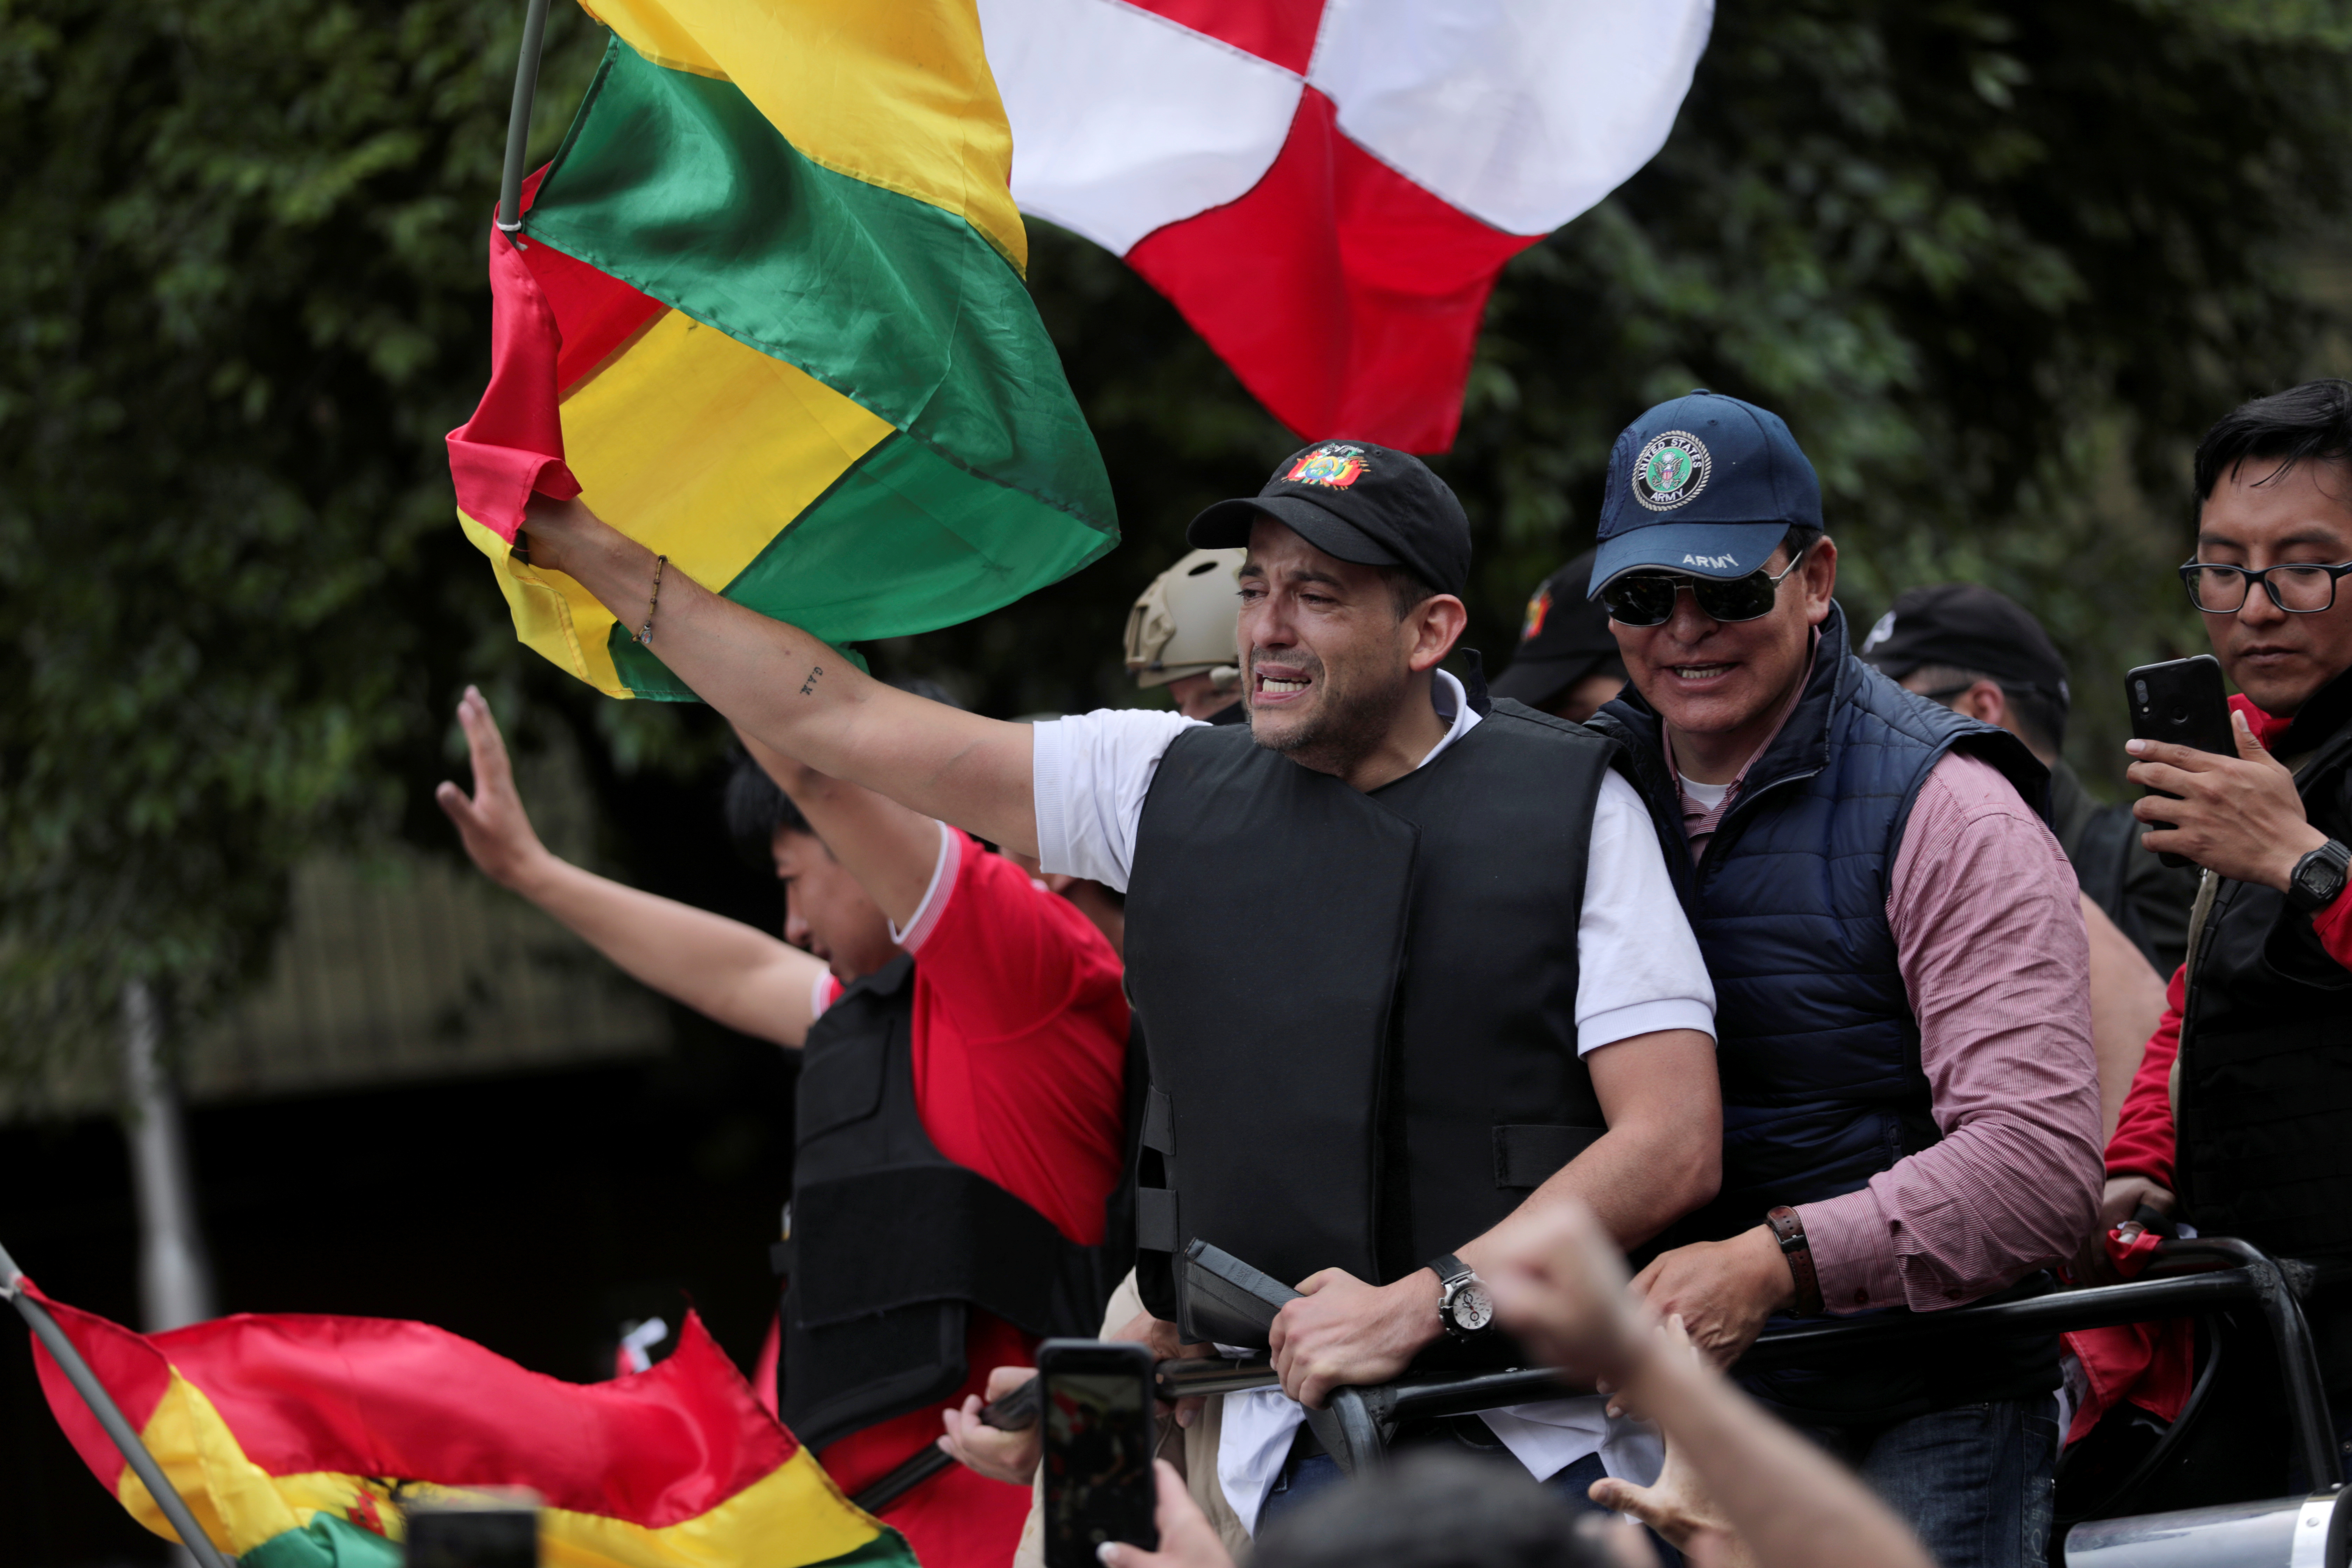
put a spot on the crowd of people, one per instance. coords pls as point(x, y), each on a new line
point(1803, 974)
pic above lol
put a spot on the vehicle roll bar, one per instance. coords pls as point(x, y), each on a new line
point(2187, 1277)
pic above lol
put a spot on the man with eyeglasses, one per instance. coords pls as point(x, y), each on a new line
point(1911, 1106)
point(2253, 1064)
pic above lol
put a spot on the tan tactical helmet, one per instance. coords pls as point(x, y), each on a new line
point(1183, 624)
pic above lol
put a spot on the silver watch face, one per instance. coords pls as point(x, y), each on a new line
point(1473, 1309)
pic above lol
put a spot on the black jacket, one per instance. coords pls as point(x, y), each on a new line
point(2266, 1038)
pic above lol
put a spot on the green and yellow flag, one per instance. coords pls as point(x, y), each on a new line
point(297, 1441)
point(766, 315)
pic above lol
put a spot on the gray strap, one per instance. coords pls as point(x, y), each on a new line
point(1155, 1219)
point(1159, 1121)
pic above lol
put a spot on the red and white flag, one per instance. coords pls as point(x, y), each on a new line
point(1327, 189)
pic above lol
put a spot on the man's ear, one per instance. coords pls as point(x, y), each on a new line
point(1437, 622)
point(1987, 701)
point(1820, 579)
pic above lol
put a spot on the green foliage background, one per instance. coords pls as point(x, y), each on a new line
point(1997, 264)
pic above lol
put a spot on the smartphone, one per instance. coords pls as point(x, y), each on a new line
point(1100, 1430)
point(495, 1529)
point(2185, 702)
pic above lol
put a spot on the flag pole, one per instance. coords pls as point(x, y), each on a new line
point(534, 33)
point(109, 1414)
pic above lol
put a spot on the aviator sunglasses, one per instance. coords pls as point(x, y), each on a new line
point(1647, 598)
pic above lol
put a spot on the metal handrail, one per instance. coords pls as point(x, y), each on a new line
point(2188, 1278)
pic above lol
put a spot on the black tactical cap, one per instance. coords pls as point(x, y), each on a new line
point(1968, 626)
point(1359, 503)
point(1565, 637)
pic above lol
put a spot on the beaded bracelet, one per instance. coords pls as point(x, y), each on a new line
point(646, 631)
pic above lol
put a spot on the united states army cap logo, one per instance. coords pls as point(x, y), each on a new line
point(1671, 470)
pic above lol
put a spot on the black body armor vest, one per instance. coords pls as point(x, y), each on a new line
point(893, 1243)
point(1361, 1008)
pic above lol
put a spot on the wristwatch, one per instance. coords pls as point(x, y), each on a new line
point(2317, 879)
point(1789, 1231)
point(1465, 1309)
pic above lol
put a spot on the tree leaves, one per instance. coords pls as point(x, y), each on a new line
point(240, 260)
point(1998, 263)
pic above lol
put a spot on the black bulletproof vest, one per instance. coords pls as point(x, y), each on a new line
point(893, 1243)
point(1361, 1008)
point(2266, 1040)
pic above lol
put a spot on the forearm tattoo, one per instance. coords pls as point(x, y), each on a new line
point(808, 686)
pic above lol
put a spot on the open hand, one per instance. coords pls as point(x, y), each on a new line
point(975, 1445)
point(1344, 1334)
point(1676, 1505)
point(2238, 816)
point(496, 829)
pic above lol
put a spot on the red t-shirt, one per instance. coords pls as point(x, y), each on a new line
point(1020, 1047)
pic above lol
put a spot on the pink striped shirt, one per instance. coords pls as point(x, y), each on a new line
point(1989, 936)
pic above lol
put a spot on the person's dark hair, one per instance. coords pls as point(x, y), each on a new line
point(2039, 716)
point(1432, 1510)
point(1801, 537)
point(755, 810)
point(1407, 591)
point(2311, 423)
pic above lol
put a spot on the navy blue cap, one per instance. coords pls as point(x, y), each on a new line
point(1703, 484)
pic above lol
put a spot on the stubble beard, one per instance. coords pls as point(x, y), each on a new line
point(1348, 723)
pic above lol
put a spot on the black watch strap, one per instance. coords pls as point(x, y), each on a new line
point(1448, 1268)
point(2319, 877)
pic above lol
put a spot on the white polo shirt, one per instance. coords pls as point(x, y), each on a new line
point(1638, 970)
point(1638, 966)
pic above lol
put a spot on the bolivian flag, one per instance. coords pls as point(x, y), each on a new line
point(295, 1440)
point(766, 315)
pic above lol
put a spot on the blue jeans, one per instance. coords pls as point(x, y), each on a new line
point(1975, 1482)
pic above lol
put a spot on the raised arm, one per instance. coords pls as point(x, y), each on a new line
point(796, 694)
point(892, 851)
point(723, 969)
point(1759, 1487)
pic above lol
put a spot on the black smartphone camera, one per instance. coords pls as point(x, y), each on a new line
point(2183, 701)
point(1100, 1433)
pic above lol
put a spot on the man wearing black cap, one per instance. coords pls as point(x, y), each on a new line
point(1406, 969)
point(1980, 653)
point(1567, 662)
point(1910, 1100)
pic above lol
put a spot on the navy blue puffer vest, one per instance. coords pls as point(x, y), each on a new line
point(1815, 1041)
point(1814, 1037)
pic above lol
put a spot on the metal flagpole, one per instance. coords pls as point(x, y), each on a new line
point(110, 1416)
point(534, 33)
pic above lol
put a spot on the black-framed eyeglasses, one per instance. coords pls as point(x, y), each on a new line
point(1647, 598)
point(2296, 588)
